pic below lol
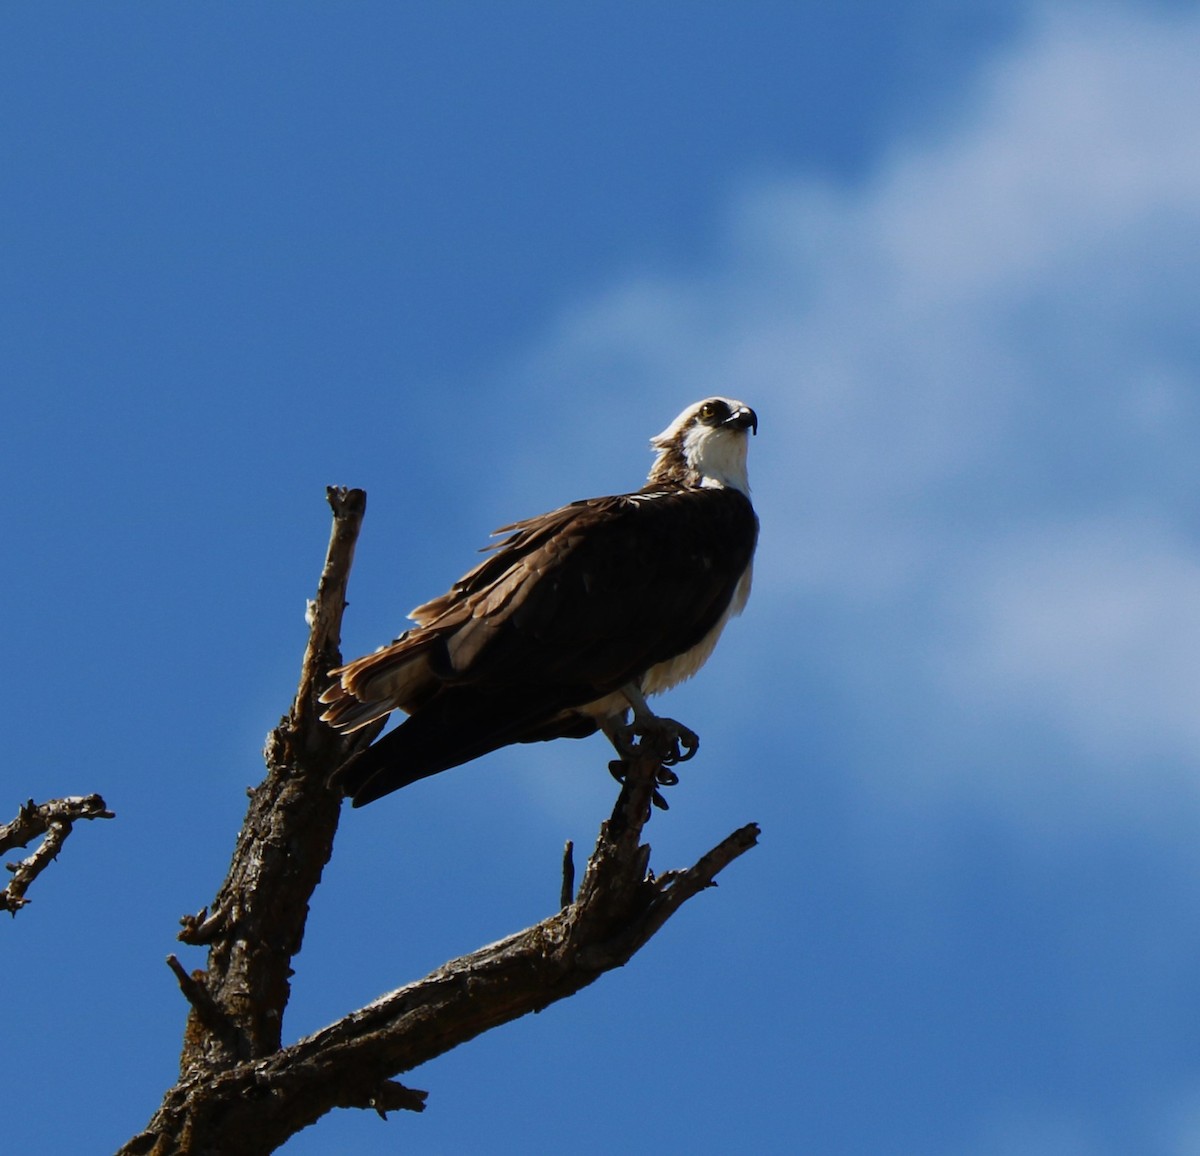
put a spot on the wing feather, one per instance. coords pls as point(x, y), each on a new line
point(577, 602)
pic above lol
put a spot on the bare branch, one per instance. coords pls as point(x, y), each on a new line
point(323, 652)
point(252, 1107)
point(207, 1013)
point(256, 923)
point(567, 891)
point(53, 820)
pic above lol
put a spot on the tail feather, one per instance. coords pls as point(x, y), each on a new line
point(400, 674)
point(349, 715)
point(414, 750)
point(441, 735)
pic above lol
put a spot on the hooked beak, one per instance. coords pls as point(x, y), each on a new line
point(742, 418)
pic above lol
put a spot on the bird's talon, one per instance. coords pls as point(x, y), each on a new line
point(662, 739)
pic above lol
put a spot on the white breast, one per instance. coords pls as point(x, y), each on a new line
point(718, 456)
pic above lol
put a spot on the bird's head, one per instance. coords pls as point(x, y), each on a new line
point(706, 445)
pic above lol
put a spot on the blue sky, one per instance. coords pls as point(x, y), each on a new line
point(470, 257)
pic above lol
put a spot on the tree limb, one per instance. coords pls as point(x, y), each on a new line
point(251, 1108)
point(256, 923)
point(54, 820)
point(240, 1093)
point(567, 891)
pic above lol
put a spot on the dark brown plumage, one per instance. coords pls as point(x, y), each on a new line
point(569, 620)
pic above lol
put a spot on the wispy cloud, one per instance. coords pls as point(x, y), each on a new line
point(976, 374)
point(1092, 626)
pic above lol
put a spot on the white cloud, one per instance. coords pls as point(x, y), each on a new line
point(976, 375)
point(1094, 627)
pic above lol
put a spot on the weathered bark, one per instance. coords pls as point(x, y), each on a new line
point(256, 923)
point(52, 823)
point(240, 1093)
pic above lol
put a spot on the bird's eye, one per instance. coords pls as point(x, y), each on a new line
point(708, 410)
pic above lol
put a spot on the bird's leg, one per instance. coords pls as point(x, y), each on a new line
point(677, 742)
point(669, 741)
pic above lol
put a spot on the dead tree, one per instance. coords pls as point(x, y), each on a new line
point(51, 822)
point(241, 1090)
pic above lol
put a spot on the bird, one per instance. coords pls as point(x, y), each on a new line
point(570, 622)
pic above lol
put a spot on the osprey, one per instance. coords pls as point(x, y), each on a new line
point(571, 621)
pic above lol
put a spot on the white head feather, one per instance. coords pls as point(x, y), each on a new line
point(706, 445)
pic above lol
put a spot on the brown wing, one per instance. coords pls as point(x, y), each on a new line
point(572, 605)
